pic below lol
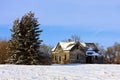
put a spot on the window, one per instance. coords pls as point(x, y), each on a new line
point(65, 57)
point(59, 58)
point(77, 56)
point(89, 53)
point(55, 57)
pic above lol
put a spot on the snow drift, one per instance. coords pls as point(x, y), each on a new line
point(60, 72)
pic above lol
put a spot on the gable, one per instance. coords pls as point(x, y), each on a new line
point(58, 47)
point(78, 46)
point(66, 46)
point(91, 45)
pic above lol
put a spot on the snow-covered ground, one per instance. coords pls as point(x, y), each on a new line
point(60, 72)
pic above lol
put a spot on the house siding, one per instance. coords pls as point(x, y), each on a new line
point(61, 57)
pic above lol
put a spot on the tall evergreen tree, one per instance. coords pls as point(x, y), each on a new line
point(24, 44)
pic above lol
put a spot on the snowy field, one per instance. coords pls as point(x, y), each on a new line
point(60, 72)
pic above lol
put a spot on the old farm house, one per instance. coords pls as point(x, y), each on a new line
point(75, 52)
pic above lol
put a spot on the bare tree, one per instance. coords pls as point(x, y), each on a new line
point(116, 49)
point(46, 49)
point(110, 55)
point(74, 38)
point(3, 51)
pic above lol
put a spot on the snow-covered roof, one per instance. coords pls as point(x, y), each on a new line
point(83, 44)
point(70, 45)
point(92, 53)
point(54, 48)
point(66, 45)
point(90, 49)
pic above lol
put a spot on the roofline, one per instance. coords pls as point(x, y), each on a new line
point(56, 46)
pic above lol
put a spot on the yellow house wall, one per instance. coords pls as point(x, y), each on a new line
point(60, 57)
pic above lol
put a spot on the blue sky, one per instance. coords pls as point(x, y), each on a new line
point(92, 20)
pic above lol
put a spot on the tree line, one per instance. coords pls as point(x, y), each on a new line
point(112, 54)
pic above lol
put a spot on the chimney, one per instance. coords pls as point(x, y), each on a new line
point(69, 40)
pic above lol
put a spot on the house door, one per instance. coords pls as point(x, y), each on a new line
point(89, 59)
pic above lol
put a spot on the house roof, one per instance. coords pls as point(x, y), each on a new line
point(65, 45)
point(83, 44)
point(70, 45)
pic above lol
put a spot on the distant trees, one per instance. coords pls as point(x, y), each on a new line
point(116, 50)
point(3, 51)
point(46, 50)
point(24, 44)
point(112, 54)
